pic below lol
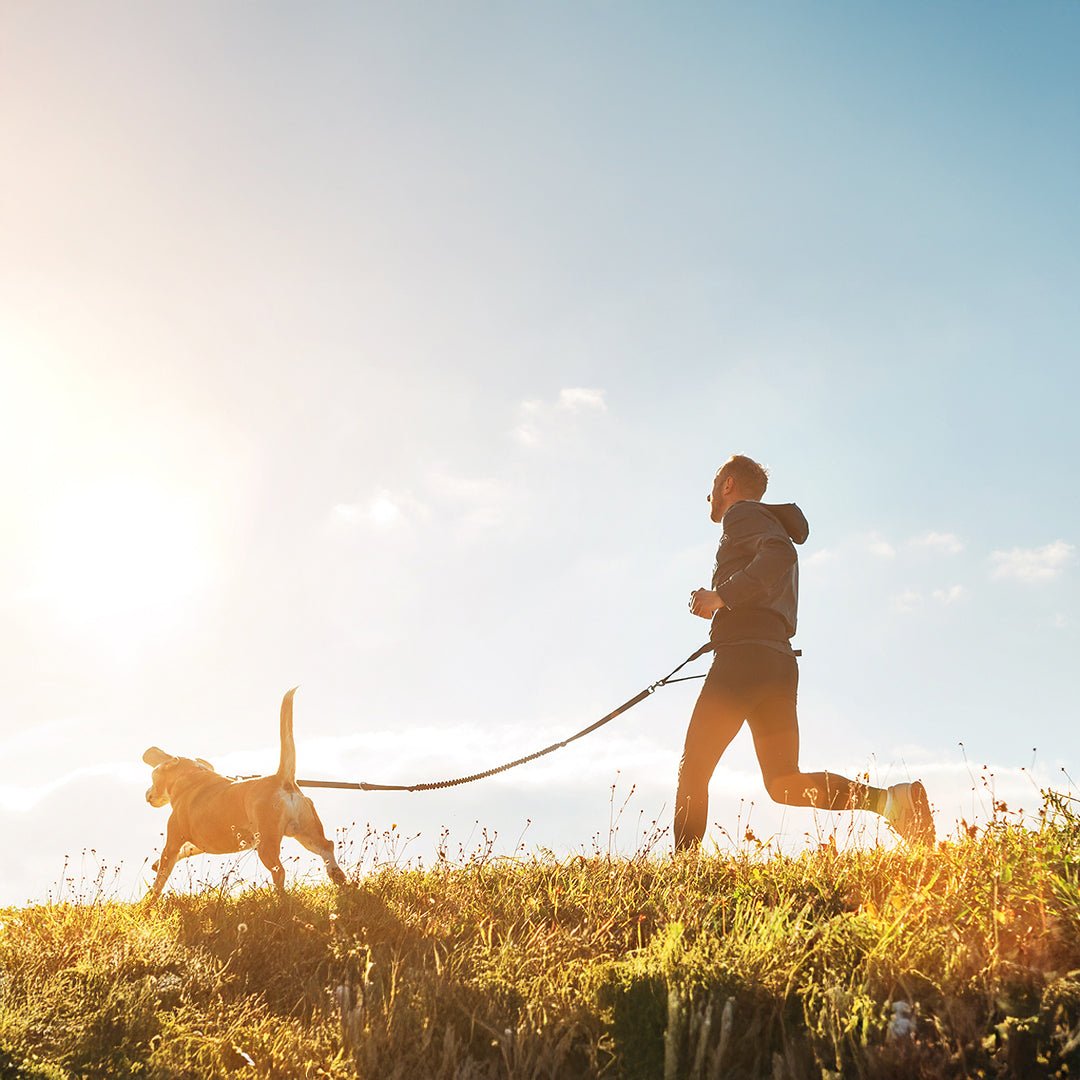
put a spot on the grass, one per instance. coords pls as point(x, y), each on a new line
point(752, 964)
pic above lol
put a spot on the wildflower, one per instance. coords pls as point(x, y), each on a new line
point(902, 1024)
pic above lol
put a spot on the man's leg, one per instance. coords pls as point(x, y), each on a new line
point(716, 719)
point(775, 727)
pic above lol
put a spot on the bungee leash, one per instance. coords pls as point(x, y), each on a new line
point(439, 784)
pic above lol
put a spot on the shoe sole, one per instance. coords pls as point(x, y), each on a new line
point(924, 820)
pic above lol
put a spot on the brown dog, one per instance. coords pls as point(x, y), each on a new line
point(213, 813)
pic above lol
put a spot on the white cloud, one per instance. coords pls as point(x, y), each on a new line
point(383, 510)
point(536, 417)
point(949, 595)
point(1032, 565)
point(347, 513)
point(913, 599)
point(467, 489)
point(528, 429)
point(880, 547)
point(908, 600)
point(22, 799)
point(876, 545)
point(946, 543)
point(574, 398)
point(480, 503)
point(469, 505)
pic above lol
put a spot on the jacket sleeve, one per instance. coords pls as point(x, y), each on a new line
point(772, 554)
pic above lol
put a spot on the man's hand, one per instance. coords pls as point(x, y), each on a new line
point(705, 603)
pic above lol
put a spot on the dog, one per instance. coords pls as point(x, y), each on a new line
point(211, 813)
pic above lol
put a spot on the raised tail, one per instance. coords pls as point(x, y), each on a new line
point(286, 769)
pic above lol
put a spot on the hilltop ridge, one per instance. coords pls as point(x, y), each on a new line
point(746, 965)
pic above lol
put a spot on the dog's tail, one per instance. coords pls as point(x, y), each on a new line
point(286, 769)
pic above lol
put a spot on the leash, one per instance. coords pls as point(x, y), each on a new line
point(439, 784)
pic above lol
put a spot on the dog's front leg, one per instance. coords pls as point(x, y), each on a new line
point(176, 847)
point(169, 856)
point(185, 852)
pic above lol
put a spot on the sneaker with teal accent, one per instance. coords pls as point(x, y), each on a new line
point(907, 810)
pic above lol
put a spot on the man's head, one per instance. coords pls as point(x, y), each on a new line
point(739, 478)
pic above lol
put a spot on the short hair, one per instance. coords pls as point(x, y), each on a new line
point(751, 477)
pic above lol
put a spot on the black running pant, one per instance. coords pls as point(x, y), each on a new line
point(759, 685)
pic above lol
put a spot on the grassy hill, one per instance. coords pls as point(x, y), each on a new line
point(752, 965)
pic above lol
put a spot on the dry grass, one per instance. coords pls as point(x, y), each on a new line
point(744, 965)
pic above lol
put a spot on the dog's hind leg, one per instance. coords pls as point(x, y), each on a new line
point(269, 850)
point(324, 848)
point(309, 831)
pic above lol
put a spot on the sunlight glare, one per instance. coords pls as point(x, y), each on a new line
point(122, 552)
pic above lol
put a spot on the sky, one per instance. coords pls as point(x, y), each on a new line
point(390, 351)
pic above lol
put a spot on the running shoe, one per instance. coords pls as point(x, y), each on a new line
point(907, 810)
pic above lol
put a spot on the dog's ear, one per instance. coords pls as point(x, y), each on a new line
point(205, 763)
point(155, 757)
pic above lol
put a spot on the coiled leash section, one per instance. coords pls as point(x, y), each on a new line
point(438, 785)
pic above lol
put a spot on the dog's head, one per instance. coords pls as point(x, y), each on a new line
point(166, 770)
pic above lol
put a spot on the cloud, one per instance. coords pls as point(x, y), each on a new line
point(469, 505)
point(467, 490)
point(480, 503)
point(949, 595)
point(538, 417)
point(876, 545)
point(908, 600)
point(946, 543)
point(913, 599)
point(21, 799)
point(575, 398)
point(384, 510)
point(1032, 565)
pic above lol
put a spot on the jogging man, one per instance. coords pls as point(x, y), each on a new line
point(755, 676)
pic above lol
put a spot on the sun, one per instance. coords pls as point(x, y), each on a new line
point(123, 554)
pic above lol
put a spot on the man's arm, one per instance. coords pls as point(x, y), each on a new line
point(750, 526)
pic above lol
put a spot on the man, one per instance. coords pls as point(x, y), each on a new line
point(755, 676)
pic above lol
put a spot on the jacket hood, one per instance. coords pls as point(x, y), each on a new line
point(792, 518)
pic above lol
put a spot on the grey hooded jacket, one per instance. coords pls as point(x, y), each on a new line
point(757, 574)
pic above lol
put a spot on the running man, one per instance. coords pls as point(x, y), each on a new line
point(755, 676)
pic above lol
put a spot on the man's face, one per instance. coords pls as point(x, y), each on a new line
point(720, 497)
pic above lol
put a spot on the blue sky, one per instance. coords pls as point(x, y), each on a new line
point(390, 350)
